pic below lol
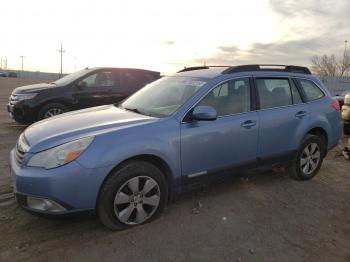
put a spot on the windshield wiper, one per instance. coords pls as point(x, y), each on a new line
point(135, 110)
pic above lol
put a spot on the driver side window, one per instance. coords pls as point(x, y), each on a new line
point(99, 79)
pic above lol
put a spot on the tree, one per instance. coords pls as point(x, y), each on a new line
point(329, 65)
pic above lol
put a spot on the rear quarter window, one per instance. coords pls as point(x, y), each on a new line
point(310, 89)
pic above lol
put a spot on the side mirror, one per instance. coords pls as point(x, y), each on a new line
point(204, 113)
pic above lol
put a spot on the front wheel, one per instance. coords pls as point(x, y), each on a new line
point(51, 109)
point(309, 158)
point(134, 194)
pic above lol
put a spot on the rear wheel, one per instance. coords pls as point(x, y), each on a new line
point(309, 158)
point(51, 109)
point(134, 194)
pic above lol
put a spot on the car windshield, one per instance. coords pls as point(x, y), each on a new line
point(164, 96)
point(71, 77)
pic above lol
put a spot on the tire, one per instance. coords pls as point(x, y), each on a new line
point(346, 129)
point(118, 188)
point(305, 167)
point(53, 109)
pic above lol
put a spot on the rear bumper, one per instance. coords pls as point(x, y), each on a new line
point(71, 186)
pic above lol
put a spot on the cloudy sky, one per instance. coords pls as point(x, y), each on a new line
point(167, 35)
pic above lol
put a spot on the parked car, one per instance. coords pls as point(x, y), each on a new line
point(3, 74)
point(12, 74)
point(341, 97)
point(345, 114)
point(125, 162)
point(82, 89)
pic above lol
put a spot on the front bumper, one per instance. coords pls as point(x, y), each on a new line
point(22, 112)
point(71, 186)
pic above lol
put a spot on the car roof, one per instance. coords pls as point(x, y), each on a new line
point(210, 72)
point(121, 68)
point(216, 71)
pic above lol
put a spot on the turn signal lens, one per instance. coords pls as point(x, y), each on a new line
point(72, 156)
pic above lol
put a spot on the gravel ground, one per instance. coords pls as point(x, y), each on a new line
point(256, 217)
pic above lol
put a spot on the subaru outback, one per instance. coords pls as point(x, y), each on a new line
point(126, 161)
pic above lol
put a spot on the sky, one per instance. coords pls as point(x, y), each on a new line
point(168, 35)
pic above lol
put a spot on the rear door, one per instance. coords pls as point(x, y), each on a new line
point(282, 114)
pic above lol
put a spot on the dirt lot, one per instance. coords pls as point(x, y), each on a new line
point(258, 217)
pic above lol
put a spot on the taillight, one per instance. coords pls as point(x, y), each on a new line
point(336, 105)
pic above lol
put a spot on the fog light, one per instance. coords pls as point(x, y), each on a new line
point(43, 204)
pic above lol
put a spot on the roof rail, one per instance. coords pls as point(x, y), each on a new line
point(191, 68)
point(268, 67)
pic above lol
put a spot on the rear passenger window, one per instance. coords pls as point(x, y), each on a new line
point(229, 98)
point(274, 92)
point(311, 91)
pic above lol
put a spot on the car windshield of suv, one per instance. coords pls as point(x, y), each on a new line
point(71, 77)
point(164, 96)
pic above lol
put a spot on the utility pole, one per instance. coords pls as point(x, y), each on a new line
point(22, 56)
point(346, 42)
point(61, 51)
point(344, 56)
point(344, 59)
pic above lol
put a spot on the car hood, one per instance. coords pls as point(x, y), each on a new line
point(77, 124)
point(32, 88)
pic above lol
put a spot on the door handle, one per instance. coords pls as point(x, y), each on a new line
point(248, 124)
point(300, 114)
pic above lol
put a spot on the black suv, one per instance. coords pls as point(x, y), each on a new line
point(82, 89)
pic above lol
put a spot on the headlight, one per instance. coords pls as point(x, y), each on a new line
point(20, 97)
point(60, 155)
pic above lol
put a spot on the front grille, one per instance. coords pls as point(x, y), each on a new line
point(19, 155)
point(13, 100)
point(21, 199)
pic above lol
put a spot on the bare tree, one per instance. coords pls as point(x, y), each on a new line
point(329, 65)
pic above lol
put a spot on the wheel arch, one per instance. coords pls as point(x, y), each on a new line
point(322, 133)
point(51, 101)
point(153, 159)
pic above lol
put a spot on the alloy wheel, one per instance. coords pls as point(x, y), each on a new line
point(53, 112)
point(137, 200)
point(310, 158)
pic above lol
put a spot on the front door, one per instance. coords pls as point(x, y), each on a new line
point(230, 140)
point(95, 89)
